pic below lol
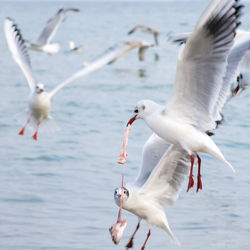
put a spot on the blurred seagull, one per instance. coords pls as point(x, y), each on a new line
point(158, 184)
point(154, 32)
point(73, 47)
point(39, 100)
point(199, 89)
point(43, 42)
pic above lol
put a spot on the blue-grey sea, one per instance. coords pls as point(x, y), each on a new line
point(57, 193)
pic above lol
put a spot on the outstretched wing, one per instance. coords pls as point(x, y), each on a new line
point(240, 48)
point(164, 184)
point(152, 152)
point(19, 50)
point(52, 25)
point(202, 65)
point(109, 56)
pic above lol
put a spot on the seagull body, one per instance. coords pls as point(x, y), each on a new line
point(150, 30)
point(201, 82)
point(44, 41)
point(40, 100)
point(158, 184)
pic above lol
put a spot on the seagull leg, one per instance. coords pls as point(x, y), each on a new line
point(131, 243)
point(22, 130)
point(191, 179)
point(35, 135)
point(149, 232)
point(199, 183)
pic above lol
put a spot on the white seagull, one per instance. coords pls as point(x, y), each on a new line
point(198, 90)
point(39, 100)
point(43, 42)
point(158, 184)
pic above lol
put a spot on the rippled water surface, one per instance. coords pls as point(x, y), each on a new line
point(57, 193)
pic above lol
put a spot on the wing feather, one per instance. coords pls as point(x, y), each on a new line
point(202, 65)
point(109, 56)
point(52, 26)
point(19, 50)
point(164, 184)
point(152, 152)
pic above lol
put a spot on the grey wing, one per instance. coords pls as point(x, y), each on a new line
point(202, 65)
point(19, 50)
point(52, 25)
point(109, 56)
point(164, 184)
point(239, 50)
point(153, 150)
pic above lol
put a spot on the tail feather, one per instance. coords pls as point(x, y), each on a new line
point(170, 233)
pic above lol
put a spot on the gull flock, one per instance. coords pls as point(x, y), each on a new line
point(213, 66)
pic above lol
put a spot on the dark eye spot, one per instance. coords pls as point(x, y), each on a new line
point(136, 111)
point(143, 107)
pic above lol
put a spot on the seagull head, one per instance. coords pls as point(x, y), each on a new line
point(118, 193)
point(143, 109)
point(39, 88)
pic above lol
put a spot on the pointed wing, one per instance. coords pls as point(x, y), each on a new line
point(202, 65)
point(152, 152)
point(240, 48)
point(18, 50)
point(164, 184)
point(109, 56)
point(52, 25)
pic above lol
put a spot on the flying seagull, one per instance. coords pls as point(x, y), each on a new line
point(39, 100)
point(199, 88)
point(147, 29)
point(158, 184)
point(44, 41)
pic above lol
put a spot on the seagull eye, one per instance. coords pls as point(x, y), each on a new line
point(136, 111)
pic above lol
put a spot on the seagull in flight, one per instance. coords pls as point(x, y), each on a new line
point(39, 99)
point(158, 184)
point(147, 29)
point(44, 41)
point(201, 82)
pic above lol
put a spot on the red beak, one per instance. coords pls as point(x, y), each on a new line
point(131, 120)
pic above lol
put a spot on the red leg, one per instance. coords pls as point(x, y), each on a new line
point(149, 232)
point(191, 179)
point(199, 183)
point(35, 135)
point(22, 130)
point(131, 243)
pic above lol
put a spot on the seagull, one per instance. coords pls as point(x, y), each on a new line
point(150, 30)
point(40, 100)
point(198, 92)
point(73, 47)
point(43, 42)
point(158, 184)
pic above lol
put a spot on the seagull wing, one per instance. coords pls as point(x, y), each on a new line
point(153, 150)
point(240, 48)
point(52, 25)
point(109, 56)
point(164, 184)
point(202, 65)
point(19, 50)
